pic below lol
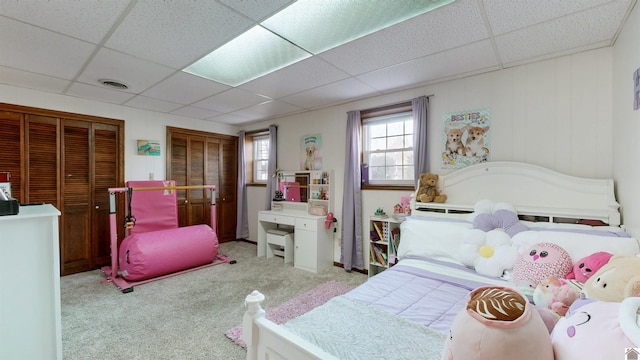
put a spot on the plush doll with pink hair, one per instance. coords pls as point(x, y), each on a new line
point(588, 265)
point(498, 323)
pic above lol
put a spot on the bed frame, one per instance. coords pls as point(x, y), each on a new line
point(533, 190)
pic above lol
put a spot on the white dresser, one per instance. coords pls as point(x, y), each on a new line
point(313, 243)
point(30, 317)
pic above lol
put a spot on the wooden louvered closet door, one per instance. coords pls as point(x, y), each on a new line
point(11, 149)
point(105, 169)
point(188, 164)
point(200, 158)
point(90, 167)
point(41, 160)
point(227, 190)
point(69, 161)
point(76, 197)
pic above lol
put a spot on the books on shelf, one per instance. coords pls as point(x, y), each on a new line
point(395, 238)
point(376, 225)
point(378, 255)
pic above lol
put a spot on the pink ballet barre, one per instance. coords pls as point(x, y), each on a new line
point(155, 246)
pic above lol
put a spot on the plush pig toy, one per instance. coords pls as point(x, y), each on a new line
point(498, 323)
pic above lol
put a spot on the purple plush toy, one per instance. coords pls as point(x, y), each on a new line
point(588, 265)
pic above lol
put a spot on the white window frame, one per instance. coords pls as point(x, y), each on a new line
point(370, 151)
point(260, 158)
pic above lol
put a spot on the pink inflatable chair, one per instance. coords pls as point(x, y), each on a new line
point(156, 247)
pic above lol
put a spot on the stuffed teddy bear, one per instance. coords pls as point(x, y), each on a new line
point(498, 323)
point(588, 265)
point(616, 280)
point(428, 189)
point(539, 262)
point(597, 330)
point(555, 294)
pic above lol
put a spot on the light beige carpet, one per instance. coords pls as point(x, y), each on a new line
point(182, 317)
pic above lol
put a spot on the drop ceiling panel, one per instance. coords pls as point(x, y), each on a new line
point(176, 33)
point(230, 119)
point(267, 110)
point(48, 53)
point(98, 93)
point(444, 28)
point(88, 20)
point(231, 100)
point(331, 94)
point(433, 67)
point(301, 76)
point(506, 16)
point(138, 74)
point(257, 10)
point(148, 103)
point(194, 112)
point(184, 88)
point(570, 32)
point(32, 81)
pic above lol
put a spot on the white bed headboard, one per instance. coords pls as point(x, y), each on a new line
point(532, 189)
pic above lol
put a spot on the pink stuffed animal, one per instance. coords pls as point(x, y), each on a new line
point(588, 265)
point(555, 294)
point(597, 330)
point(498, 323)
point(541, 261)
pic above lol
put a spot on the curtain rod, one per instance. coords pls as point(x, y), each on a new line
point(395, 103)
point(256, 131)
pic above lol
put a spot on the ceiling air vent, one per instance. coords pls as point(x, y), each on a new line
point(114, 84)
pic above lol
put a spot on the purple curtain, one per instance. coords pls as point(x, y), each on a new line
point(351, 251)
point(419, 107)
point(242, 229)
point(271, 166)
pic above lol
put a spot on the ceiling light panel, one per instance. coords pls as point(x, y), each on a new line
point(254, 53)
point(317, 26)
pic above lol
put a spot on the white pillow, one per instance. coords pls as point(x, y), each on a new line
point(432, 238)
point(578, 245)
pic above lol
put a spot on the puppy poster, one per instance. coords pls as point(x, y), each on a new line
point(465, 138)
point(311, 147)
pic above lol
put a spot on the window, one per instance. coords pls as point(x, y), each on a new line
point(388, 145)
point(260, 158)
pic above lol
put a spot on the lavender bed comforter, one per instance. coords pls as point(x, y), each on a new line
point(421, 296)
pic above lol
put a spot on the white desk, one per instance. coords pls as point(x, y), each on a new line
point(30, 316)
point(313, 245)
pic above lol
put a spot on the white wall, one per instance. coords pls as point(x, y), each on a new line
point(554, 113)
point(626, 123)
point(139, 124)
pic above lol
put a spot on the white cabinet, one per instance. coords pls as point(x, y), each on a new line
point(313, 244)
point(313, 249)
point(30, 316)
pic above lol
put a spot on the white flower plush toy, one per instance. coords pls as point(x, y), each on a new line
point(489, 253)
point(488, 247)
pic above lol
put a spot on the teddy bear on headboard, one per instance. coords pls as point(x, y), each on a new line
point(428, 189)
